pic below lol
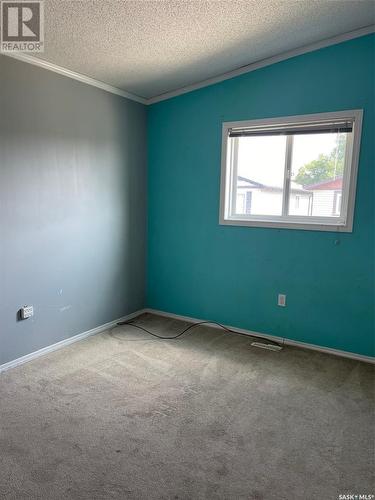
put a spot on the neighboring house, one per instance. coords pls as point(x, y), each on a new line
point(327, 197)
point(261, 199)
point(322, 199)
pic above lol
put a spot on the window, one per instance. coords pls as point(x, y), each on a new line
point(337, 202)
point(243, 204)
point(294, 172)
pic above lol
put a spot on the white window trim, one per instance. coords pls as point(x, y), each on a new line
point(296, 221)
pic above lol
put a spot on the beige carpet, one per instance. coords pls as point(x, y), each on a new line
point(122, 415)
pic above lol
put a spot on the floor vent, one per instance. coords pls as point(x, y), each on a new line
point(270, 347)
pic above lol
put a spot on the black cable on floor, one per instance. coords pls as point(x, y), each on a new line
point(194, 325)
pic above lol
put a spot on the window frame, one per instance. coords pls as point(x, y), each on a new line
point(314, 223)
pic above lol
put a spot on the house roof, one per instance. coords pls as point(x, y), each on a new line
point(330, 184)
point(250, 181)
point(254, 184)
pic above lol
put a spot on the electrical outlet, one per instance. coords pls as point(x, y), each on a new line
point(26, 312)
point(281, 300)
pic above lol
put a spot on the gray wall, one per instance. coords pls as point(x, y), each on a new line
point(72, 207)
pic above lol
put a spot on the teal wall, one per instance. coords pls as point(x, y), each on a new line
point(233, 274)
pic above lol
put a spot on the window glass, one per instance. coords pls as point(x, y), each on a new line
point(317, 171)
point(260, 174)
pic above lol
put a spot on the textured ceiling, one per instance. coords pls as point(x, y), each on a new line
point(152, 47)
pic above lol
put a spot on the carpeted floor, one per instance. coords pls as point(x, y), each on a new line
point(122, 415)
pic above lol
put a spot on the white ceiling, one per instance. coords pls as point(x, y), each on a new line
point(152, 47)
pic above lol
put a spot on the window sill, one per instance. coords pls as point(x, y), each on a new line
point(306, 226)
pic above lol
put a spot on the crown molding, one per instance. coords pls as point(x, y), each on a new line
point(265, 62)
point(195, 86)
point(75, 76)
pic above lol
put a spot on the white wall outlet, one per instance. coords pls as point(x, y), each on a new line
point(27, 312)
point(281, 300)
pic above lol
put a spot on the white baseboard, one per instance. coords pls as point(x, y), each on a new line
point(66, 342)
point(295, 343)
point(106, 326)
